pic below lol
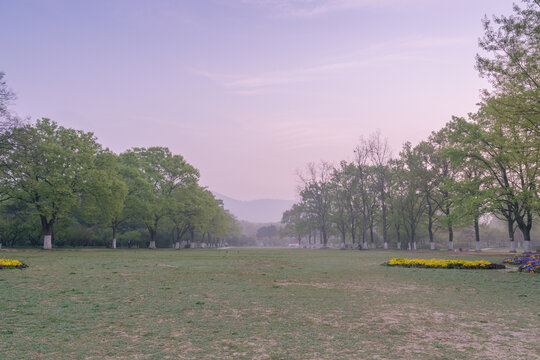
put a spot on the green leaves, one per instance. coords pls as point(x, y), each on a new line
point(49, 167)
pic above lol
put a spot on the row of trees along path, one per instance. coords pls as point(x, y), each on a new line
point(54, 172)
point(487, 163)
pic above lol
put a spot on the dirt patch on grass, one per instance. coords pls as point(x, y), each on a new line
point(378, 287)
point(318, 285)
point(424, 331)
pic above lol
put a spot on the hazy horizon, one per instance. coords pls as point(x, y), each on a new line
point(247, 91)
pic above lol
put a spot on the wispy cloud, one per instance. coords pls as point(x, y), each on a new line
point(297, 135)
point(266, 82)
point(253, 84)
point(313, 8)
point(263, 83)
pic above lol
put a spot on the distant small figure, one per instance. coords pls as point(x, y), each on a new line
point(129, 244)
point(460, 249)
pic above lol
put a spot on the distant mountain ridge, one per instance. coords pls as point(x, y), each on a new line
point(257, 211)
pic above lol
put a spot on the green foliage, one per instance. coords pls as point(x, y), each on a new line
point(267, 232)
point(18, 224)
point(160, 173)
point(48, 167)
point(104, 201)
point(510, 60)
point(63, 179)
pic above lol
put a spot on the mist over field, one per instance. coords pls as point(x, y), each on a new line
point(256, 211)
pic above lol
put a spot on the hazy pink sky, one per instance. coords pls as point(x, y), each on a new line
point(247, 91)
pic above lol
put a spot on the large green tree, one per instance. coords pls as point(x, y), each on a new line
point(163, 173)
point(316, 197)
point(412, 200)
point(509, 155)
point(48, 167)
point(437, 173)
point(510, 60)
point(296, 223)
point(502, 140)
point(380, 155)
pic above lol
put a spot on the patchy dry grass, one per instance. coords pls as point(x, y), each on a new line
point(262, 304)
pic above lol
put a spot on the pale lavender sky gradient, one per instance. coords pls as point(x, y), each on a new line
point(248, 91)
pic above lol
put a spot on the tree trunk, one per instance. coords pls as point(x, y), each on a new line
point(413, 236)
point(47, 242)
point(430, 227)
point(324, 237)
point(450, 237)
point(47, 228)
point(191, 237)
point(152, 239)
point(526, 239)
point(476, 233)
point(525, 224)
point(353, 233)
point(372, 241)
point(114, 236)
point(364, 228)
point(178, 238)
point(383, 205)
point(510, 224)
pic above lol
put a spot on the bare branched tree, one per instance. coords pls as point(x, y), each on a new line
point(315, 185)
point(7, 119)
point(380, 154)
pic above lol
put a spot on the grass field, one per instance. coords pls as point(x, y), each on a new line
point(262, 304)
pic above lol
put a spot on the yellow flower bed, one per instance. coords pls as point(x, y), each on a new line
point(444, 264)
point(11, 264)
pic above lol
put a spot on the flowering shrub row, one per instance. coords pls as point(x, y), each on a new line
point(444, 264)
point(527, 262)
point(12, 264)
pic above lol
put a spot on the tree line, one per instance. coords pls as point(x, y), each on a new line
point(51, 175)
point(484, 164)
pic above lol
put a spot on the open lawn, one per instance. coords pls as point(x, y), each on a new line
point(262, 304)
